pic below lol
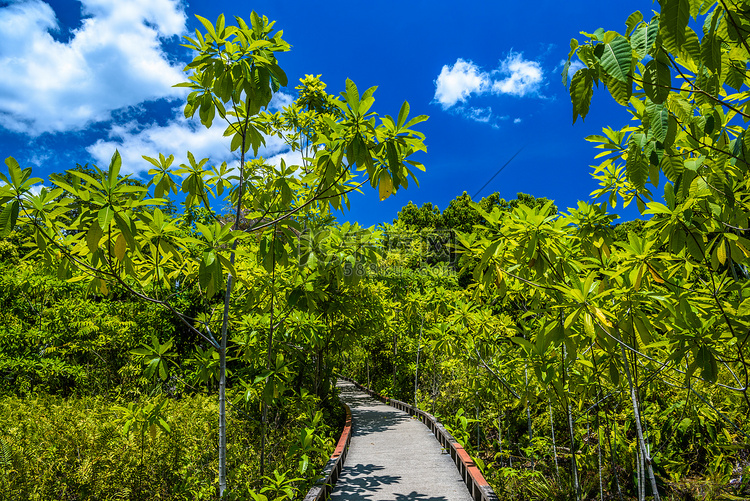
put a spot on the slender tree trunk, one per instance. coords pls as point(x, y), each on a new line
point(571, 431)
point(416, 370)
point(612, 456)
point(639, 430)
point(641, 480)
point(395, 351)
point(269, 347)
point(608, 430)
point(478, 428)
point(225, 326)
point(554, 445)
point(528, 409)
point(222, 388)
point(573, 446)
point(500, 438)
point(599, 453)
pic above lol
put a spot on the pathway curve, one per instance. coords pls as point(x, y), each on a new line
point(393, 457)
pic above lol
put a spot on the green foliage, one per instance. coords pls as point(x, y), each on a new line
point(53, 448)
point(237, 276)
point(8, 252)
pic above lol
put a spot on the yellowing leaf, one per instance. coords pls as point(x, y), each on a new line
point(588, 324)
point(657, 278)
point(721, 252)
point(600, 316)
point(385, 187)
point(744, 308)
point(120, 247)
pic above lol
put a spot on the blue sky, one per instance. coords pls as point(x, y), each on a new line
point(81, 78)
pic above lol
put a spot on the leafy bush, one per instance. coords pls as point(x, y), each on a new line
point(55, 338)
point(79, 448)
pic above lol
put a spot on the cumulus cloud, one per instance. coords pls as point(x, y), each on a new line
point(177, 137)
point(114, 60)
point(523, 77)
point(456, 83)
point(515, 76)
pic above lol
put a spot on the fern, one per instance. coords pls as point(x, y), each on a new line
point(6, 455)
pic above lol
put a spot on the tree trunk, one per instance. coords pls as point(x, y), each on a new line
point(528, 409)
point(571, 430)
point(554, 445)
point(416, 370)
point(639, 430)
point(223, 386)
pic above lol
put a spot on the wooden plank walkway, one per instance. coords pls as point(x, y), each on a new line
point(393, 457)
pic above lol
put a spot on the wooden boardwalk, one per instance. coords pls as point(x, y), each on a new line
point(393, 457)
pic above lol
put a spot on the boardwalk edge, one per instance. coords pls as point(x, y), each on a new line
point(478, 487)
point(324, 485)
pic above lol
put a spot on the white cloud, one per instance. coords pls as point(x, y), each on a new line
point(456, 83)
point(479, 114)
point(37, 189)
point(177, 137)
point(114, 60)
point(280, 100)
point(459, 82)
point(524, 77)
point(290, 158)
point(517, 120)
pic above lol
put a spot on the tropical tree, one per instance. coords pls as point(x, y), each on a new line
point(232, 78)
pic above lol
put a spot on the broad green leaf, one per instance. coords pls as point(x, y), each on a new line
point(208, 25)
point(152, 161)
point(581, 91)
point(691, 47)
point(735, 75)
point(707, 362)
point(617, 58)
point(711, 53)
point(671, 165)
point(366, 101)
point(14, 170)
point(620, 91)
point(128, 229)
point(114, 169)
point(8, 217)
point(220, 25)
point(82, 175)
point(632, 21)
point(644, 37)
point(658, 119)
point(673, 21)
point(657, 80)
point(351, 95)
point(524, 343)
point(93, 235)
point(614, 374)
point(403, 113)
point(105, 217)
point(636, 166)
